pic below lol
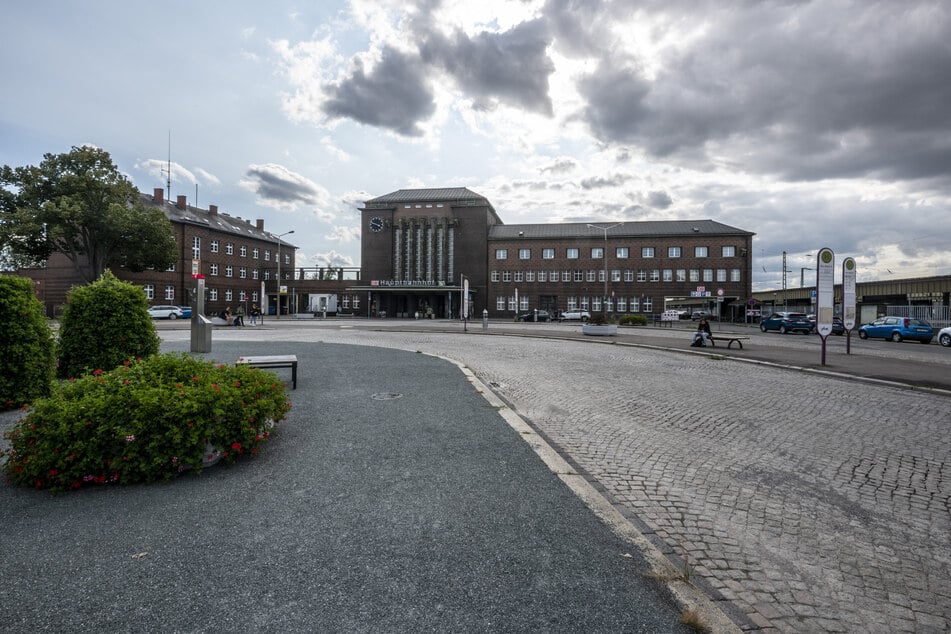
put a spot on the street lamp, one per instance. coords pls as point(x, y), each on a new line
point(604, 305)
point(279, 270)
point(802, 275)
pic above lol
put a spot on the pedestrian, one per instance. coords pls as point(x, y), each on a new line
point(226, 315)
point(239, 315)
point(703, 333)
point(255, 311)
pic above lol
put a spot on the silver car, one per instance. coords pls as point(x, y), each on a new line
point(165, 312)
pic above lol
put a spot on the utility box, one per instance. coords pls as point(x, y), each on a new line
point(201, 334)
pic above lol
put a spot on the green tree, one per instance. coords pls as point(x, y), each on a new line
point(26, 344)
point(80, 205)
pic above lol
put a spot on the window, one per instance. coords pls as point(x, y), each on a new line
point(721, 275)
point(572, 254)
point(171, 268)
point(668, 275)
point(524, 254)
point(244, 251)
point(592, 275)
point(566, 276)
point(553, 276)
point(610, 305)
point(729, 252)
point(254, 274)
point(523, 302)
point(345, 301)
point(213, 294)
point(734, 275)
point(267, 255)
point(356, 302)
point(584, 303)
point(601, 275)
point(635, 304)
point(579, 276)
point(499, 303)
point(529, 276)
point(700, 252)
point(616, 275)
point(267, 275)
point(548, 254)
point(214, 246)
point(647, 252)
point(707, 275)
point(170, 293)
point(495, 276)
point(518, 276)
point(596, 304)
point(243, 273)
point(229, 249)
point(597, 253)
point(572, 302)
point(628, 275)
point(512, 302)
point(501, 254)
point(622, 253)
point(673, 252)
point(542, 276)
point(694, 275)
point(648, 305)
point(196, 248)
point(622, 304)
point(242, 296)
point(681, 275)
point(254, 296)
point(287, 258)
point(655, 275)
point(213, 269)
point(506, 276)
point(229, 271)
point(229, 295)
point(641, 275)
point(255, 253)
point(149, 291)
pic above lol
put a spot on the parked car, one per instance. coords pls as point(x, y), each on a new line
point(165, 312)
point(697, 315)
point(838, 328)
point(786, 322)
point(574, 315)
point(535, 315)
point(944, 337)
point(186, 311)
point(898, 329)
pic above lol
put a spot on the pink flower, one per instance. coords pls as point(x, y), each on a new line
point(174, 459)
point(129, 438)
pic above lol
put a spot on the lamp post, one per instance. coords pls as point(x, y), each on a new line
point(279, 270)
point(604, 304)
point(802, 275)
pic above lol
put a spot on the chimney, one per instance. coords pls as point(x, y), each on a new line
point(260, 224)
point(158, 194)
point(181, 204)
point(213, 210)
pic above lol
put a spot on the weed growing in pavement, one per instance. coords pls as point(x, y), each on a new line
point(692, 619)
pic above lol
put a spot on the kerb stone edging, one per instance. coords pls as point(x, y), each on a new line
point(686, 594)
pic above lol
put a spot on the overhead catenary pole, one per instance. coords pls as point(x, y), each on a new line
point(604, 255)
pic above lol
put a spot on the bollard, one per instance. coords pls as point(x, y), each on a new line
point(485, 319)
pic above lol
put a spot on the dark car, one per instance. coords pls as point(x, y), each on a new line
point(838, 328)
point(535, 315)
point(898, 329)
point(786, 322)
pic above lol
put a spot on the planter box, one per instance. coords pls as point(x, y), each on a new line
point(607, 330)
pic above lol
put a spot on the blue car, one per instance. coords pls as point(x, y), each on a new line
point(898, 329)
point(186, 312)
point(786, 322)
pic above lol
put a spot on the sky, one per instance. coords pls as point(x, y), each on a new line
point(810, 124)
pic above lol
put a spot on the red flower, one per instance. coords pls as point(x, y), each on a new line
point(236, 445)
point(53, 473)
point(96, 372)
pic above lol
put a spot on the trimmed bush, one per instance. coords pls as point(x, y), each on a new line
point(633, 320)
point(104, 324)
point(26, 344)
point(144, 421)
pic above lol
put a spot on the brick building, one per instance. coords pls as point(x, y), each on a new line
point(238, 258)
point(418, 244)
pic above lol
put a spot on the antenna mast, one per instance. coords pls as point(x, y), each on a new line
point(168, 171)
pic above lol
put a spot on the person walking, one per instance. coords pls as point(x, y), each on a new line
point(239, 315)
point(255, 311)
point(703, 333)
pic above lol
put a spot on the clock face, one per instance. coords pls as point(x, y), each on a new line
point(376, 224)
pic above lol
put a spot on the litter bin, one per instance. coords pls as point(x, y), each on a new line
point(201, 334)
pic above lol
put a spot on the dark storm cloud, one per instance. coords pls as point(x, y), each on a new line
point(510, 67)
point(803, 90)
point(395, 94)
point(277, 185)
point(659, 200)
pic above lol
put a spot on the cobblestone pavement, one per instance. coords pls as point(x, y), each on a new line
point(812, 504)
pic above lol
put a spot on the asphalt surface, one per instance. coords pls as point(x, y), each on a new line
point(393, 499)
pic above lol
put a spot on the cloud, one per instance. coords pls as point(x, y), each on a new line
point(598, 182)
point(394, 94)
point(511, 67)
point(278, 187)
point(159, 170)
point(561, 165)
point(659, 200)
point(207, 177)
point(344, 234)
point(331, 259)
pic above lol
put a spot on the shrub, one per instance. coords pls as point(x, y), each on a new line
point(26, 344)
point(633, 320)
point(144, 421)
point(104, 324)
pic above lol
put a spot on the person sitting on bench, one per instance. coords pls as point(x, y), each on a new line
point(700, 337)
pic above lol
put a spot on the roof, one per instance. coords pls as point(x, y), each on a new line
point(219, 221)
point(443, 194)
point(639, 229)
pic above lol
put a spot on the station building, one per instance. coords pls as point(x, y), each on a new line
point(421, 247)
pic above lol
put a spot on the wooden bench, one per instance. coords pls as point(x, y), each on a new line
point(730, 339)
point(273, 361)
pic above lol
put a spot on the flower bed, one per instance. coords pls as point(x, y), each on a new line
point(146, 420)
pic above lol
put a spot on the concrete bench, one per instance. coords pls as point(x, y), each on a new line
point(730, 339)
point(273, 361)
